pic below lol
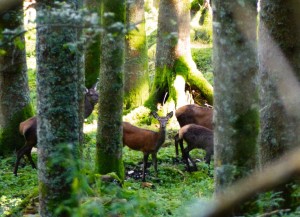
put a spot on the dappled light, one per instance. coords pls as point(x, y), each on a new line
point(150, 108)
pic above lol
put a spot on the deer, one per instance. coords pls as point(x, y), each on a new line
point(193, 114)
point(146, 141)
point(28, 128)
point(196, 136)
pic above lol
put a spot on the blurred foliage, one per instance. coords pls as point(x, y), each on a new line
point(203, 59)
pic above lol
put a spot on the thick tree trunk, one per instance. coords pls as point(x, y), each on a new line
point(136, 77)
point(15, 104)
point(174, 65)
point(58, 118)
point(92, 53)
point(109, 133)
point(236, 99)
point(279, 54)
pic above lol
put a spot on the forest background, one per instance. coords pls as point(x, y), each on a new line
point(176, 190)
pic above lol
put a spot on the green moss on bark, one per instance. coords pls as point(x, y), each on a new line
point(247, 129)
point(136, 79)
point(116, 164)
point(111, 90)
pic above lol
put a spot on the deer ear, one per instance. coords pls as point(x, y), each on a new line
point(169, 115)
point(86, 90)
point(95, 86)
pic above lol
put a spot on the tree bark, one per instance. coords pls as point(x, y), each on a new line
point(58, 118)
point(15, 104)
point(136, 77)
point(279, 54)
point(236, 100)
point(174, 65)
point(109, 133)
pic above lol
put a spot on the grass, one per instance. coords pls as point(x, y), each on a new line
point(169, 195)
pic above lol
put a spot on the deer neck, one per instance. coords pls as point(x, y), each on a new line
point(161, 137)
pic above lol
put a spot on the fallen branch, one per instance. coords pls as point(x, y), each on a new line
point(280, 172)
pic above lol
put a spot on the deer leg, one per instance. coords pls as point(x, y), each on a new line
point(188, 158)
point(146, 155)
point(154, 161)
point(176, 138)
point(28, 154)
point(20, 154)
point(181, 147)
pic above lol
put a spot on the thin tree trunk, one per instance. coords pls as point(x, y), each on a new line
point(136, 78)
point(15, 104)
point(58, 118)
point(109, 133)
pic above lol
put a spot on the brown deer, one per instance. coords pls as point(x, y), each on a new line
point(193, 114)
point(196, 136)
point(28, 128)
point(146, 141)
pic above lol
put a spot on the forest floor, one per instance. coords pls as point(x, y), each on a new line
point(175, 192)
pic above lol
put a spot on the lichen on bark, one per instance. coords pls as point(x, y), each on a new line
point(109, 132)
point(235, 91)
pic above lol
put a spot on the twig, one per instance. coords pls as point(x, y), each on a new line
point(274, 212)
point(280, 172)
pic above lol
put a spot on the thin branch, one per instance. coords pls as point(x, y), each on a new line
point(274, 212)
point(280, 172)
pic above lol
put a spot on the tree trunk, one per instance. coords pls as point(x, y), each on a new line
point(279, 54)
point(15, 104)
point(236, 100)
point(92, 53)
point(174, 65)
point(109, 133)
point(136, 78)
point(58, 118)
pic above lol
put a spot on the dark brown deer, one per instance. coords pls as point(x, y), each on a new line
point(146, 141)
point(196, 136)
point(193, 114)
point(28, 128)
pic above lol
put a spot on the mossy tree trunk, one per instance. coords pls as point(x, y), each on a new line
point(174, 65)
point(15, 105)
point(92, 53)
point(58, 118)
point(236, 113)
point(136, 77)
point(279, 55)
point(109, 132)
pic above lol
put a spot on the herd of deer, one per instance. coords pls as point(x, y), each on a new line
point(196, 129)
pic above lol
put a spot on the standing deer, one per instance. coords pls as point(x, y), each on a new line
point(193, 114)
point(28, 128)
point(196, 136)
point(146, 141)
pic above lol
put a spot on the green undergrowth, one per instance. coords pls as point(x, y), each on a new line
point(167, 195)
point(203, 60)
point(175, 192)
